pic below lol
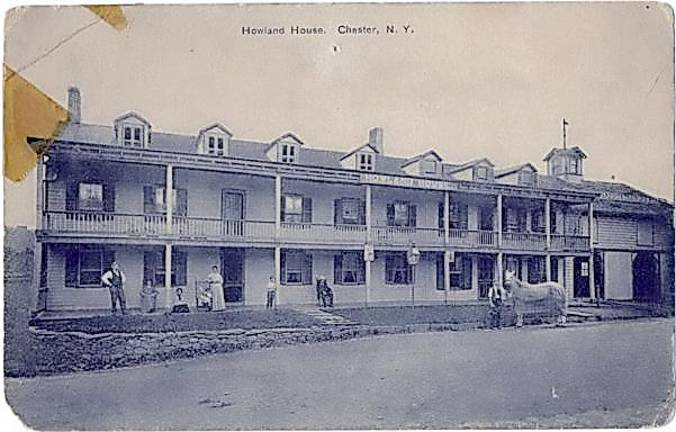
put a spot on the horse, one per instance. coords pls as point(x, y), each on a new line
point(522, 292)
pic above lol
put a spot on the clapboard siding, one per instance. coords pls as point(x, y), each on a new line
point(664, 234)
point(56, 196)
point(615, 232)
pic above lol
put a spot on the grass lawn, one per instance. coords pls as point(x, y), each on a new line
point(427, 314)
point(239, 319)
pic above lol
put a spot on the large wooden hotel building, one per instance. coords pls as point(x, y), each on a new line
point(168, 207)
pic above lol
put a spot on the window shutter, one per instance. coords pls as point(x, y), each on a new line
point(282, 210)
point(389, 263)
point(307, 269)
point(361, 274)
point(181, 202)
point(337, 269)
point(149, 267)
point(362, 212)
point(109, 198)
point(440, 271)
point(148, 199)
point(179, 261)
point(307, 210)
point(72, 266)
point(72, 196)
point(464, 216)
point(466, 272)
point(337, 212)
point(282, 266)
point(412, 217)
point(390, 214)
point(440, 215)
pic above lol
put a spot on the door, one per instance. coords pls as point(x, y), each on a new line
point(599, 275)
point(646, 281)
point(232, 212)
point(232, 267)
point(581, 277)
point(486, 266)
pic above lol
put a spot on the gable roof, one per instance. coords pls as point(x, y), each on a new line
point(511, 170)
point(577, 150)
point(360, 148)
point(415, 159)
point(470, 164)
point(286, 135)
point(131, 114)
point(215, 125)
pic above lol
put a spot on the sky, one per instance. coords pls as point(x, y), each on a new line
point(472, 80)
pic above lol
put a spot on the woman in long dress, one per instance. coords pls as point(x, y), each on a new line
point(216, 285)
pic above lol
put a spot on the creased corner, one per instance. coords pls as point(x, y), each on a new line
point(28, 113)
point(112, 15)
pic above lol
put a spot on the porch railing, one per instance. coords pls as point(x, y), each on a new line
point(400, 235)
point(104, 223)
point(211, 228)
point(322, 233)
point(468, 238)
point(524, 241)
point(573, 243)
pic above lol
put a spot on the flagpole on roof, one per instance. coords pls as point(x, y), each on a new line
point(565, 123)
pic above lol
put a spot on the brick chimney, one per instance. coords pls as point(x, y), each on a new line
point(74, 104)
point(376, 139)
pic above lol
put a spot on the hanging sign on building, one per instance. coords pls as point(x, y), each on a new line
point(406, 182)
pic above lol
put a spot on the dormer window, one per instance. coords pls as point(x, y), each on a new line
point(216, 145)
point(481, 173)
point(526, 178)
point(288, 153)
point(429, 167)
point(365, 162)
point(133, 136)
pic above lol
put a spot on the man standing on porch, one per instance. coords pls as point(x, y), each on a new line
point(114, 279)
point(216, 285)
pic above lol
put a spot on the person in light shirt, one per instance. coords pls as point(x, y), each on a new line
point(215, 281)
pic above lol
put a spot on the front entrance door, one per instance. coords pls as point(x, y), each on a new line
point(232, 265)
point(599, 275)
point(645, 269)
point(486, 266)
point(232, 212)
point(580, 277)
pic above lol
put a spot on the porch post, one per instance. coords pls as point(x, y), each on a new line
point(39, 199)
point(499, 271)
point(447, 276)
point(367, 281)
point(278, 272)
point(36, 304)
point(278, 207)
point(169, 198)
point(592, 283)
point(368, 213)
point(447, 215)
point(167, 275)
point(548, 229)
point(499, 217)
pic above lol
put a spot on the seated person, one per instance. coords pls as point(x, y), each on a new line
point(179, 306)
point(148, 297)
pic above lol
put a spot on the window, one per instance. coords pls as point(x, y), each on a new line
point(154, 200)
point(84, 265)
point(573, 166)
point(296, 209)
point(349, 211)
point(153, 268)
point(397, 270)
point(90, 196)
point(216, 146)
point(348, 268)
point(526, 178)
point(486, 215)
point(645, 232)
point(401, 213)
point(429, 167)
point(458, 213)
point(133, 136)
point(557, 166)
point(554, 269)
point(536, 269)
point(296, 268)
point(481, 173)
point(515, 219)
point(537, 221)
point(365, 162)
point(288, 153)
point(460, 272)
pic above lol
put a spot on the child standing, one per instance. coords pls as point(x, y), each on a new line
point(271, 294)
